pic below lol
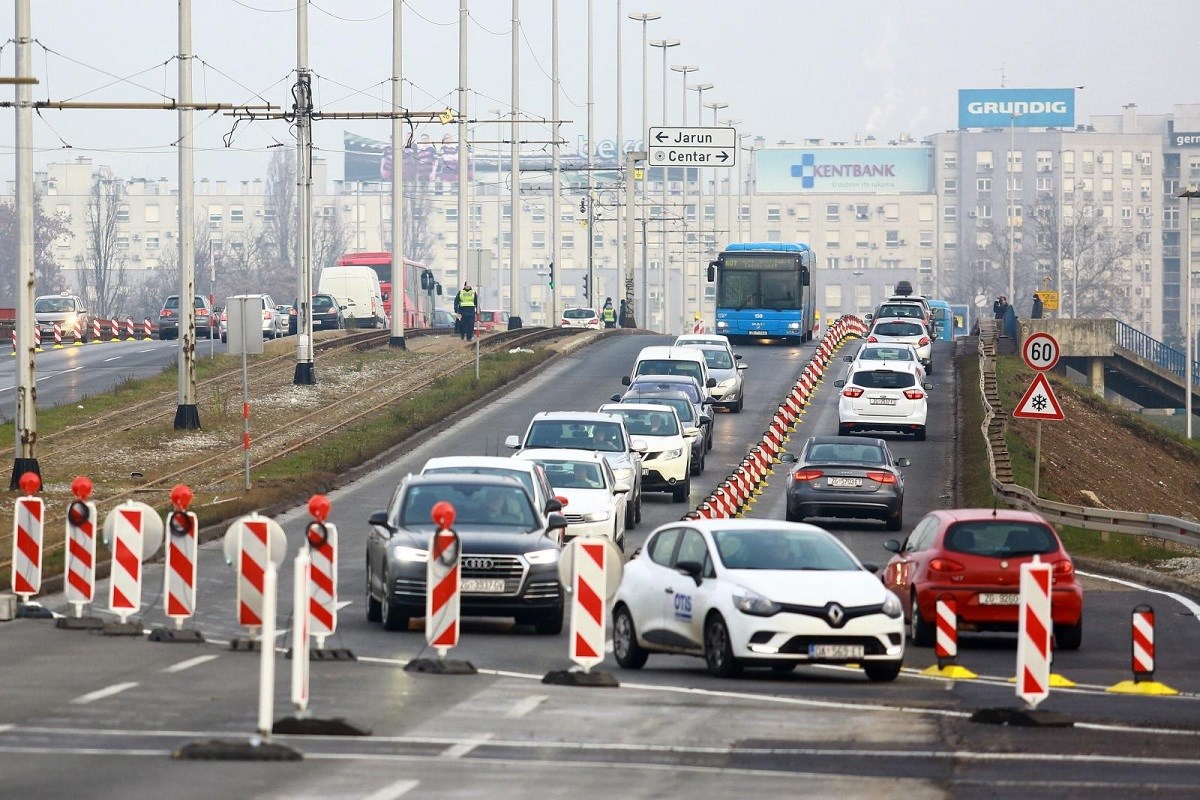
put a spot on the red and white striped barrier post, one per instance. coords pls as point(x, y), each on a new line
point(97, 335)
point(1035, 628)
point(147, 330)
point(57, 337)
point(114, 329)
point(301, 597)
point(179, 577)
point(80, 565)
point(443, 588)
point(77, 332)
point(589, 569)
point(133, 532)
point(37, 338)
point(28, 539)
point(322, 538)
point(130, 330)
point(14, 341)
point(251, 544)
point(946, 641)
point(1142, 657)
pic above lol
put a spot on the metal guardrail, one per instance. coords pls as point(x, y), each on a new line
point(1154, 351)
point(995, 423)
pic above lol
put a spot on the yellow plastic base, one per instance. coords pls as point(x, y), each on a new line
point(1056, 681)
point(1141, 687)
point(951, 671)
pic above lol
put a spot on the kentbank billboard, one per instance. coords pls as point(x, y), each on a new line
point(832, 170)
point(1034, 108)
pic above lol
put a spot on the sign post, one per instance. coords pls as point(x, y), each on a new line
point(1041, 353)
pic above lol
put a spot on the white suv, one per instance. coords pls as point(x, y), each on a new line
point(883, 400)
point(667, 462)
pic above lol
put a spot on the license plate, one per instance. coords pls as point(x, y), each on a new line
point(645, 471)
point(999, 599)
point(831, 651)
point(483, 585)
point(883, 401)
point(844, 482)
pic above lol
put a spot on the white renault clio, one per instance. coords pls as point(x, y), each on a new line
point(749, 592)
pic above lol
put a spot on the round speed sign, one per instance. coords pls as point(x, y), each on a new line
point(1040, 351)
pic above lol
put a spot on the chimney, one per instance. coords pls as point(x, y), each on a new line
point(1129, 121)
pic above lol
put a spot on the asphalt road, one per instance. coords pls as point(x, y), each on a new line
point(87, 715)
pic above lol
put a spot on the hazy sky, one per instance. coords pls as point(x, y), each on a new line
point(789, 69)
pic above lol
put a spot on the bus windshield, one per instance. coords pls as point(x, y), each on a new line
point(772, 289)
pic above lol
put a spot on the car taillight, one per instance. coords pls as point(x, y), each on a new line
point(852, 391)
point(924, 341)
point(166, 312)
point(266, 314)
point(881, 477)
point(872, 339)
point(201, 312)
point(945, 565)
point(807, 475)
point(1064, 568)
point(913, 394)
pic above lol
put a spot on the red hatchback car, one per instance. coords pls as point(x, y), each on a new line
point(975, 556)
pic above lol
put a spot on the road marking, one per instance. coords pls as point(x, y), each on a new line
point(147, 350)
point(100, 694)
point(393, 790)
point(7, 389)
point(525, 705)
point(343, 603)
point(6, 727)
point(191, 662)
point(72, 369)
point(114, 358)
point(1183, 601)
point(461, 749)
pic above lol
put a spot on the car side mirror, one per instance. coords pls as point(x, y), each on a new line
point(616, 398)
point(927, 385)
point(553, 505)
point(743, 367)
point(787, 458)
point(892, 546)
point(847, 358)
point(639, 445)
point(379, 519)
point(839, 383)
point(903, 461)
point(711, 383)
point(692, 569)
point(556, 522)
point(708, 401)
point(621, 490)
point(624, 380)
point(869, 317)
point(691, 433)
point(737, 357)
point(512, 443)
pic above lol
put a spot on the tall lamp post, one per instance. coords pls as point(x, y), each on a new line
point(645, 18)
point(1187, 196)
point(1012, 222)
point(706, 253)
point(665, 44)
point(731, 123)
point(699, 89)
point(684, 266)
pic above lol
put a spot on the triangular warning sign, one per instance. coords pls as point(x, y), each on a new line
point(1039, 401)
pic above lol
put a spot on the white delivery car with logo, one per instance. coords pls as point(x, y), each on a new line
point(357, 288)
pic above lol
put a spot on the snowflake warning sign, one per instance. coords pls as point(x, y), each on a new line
point(1039, 401)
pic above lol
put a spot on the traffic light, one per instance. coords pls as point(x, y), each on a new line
point(551, 274)
point(587, 288)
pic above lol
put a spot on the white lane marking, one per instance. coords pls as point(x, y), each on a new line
point(72, 369)
point(114, 358)
point(393, 790)
point(147, 350)
point(1183, 601)
point(525, 705)
point(100, 694)
point(6, 727)
point(7, 389)
point(460, 749)
point(343, 603)
point(191, 662)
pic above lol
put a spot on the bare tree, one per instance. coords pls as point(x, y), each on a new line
point(279, 226)
point(47, 229)
point(329, 243)
point(102, 279)
point(418, 207)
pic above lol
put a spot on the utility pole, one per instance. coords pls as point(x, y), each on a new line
point(665, 44)
point(684, 265)
point(644, 18)
point(463, 220)
point(556, 177)
point(623, 176)
point(399, 290)
point(514, 275)
point(305, 373)
point(24, 458)
point(187, 415)
point(591, 161)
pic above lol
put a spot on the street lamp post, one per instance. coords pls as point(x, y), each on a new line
point(1187, 196)
point(1012, 253)
point(684, 266)
point(664, 44)
point(645, 18)
point(699, 89)
point(706, 253)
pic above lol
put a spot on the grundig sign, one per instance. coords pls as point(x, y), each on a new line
point(1019, 108)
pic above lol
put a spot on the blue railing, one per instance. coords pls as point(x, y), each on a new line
point(1153, 350)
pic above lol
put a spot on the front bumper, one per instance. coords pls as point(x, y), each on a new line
point(788, 637)
point(603, 528)
point(534, 590)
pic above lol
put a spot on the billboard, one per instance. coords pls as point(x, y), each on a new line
point(844, 170)
point(1185, 139)
point(1034, 108)
point(371, 160)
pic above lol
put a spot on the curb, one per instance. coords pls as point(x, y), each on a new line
point(1131, 572)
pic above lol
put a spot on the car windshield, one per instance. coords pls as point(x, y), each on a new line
point(487, 316)
point(901, 310)
point(578, 313)
point(486, 506)
point(683, 407)
point(524, 477)
point(603, 436)
point(839, 453)
point(717, 358)
point(53, 305)
point(998, 538)
point(573, 474)
point(883, 379)
point(781, 549)
point(898, 329)
point(669, 366)
point(647, 423)
point(322, 302)
point(886, 354)
point(652, 386)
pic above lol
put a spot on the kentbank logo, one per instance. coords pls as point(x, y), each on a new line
point(808, 170)
point(844, 169)
point(1022, 108)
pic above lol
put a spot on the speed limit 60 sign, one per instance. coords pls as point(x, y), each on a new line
point(1040, 351)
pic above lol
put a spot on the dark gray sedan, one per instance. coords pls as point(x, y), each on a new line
point(840, 476)
point(509, 552)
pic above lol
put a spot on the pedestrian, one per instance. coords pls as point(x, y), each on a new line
point(608, 314)
point(465, 303)
point(999, 307)
point(1037, 308)
point(1010, 322)
point(621, 314)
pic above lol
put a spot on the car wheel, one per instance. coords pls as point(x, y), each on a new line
point(895, 523)
point(550, 624)
point(391, 616)
point(696, 467)
point(637, 512)
point(920, 632)
point(919, 435)
point(793, 516)
point(879, 671)
point(718, 649)
point(708, 441)
point(929, 369)
point(843, 430)
point(374, 606)
point(1068, 637)
point(680, 492)
point(223, 340)
point(737, 407)
point(628, 652)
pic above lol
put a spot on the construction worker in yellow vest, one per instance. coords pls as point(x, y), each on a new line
point(465, 303)
point(608, 314)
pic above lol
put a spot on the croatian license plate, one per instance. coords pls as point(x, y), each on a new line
point(483, 585)
point(883, 401)
point(844, 483)
point(832, 651)
point(1005, 599)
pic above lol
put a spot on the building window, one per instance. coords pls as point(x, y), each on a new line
point(926, 266)
point(568, 241)
point(862, 262)
point(950, 186)
point(833, 239)
point(1068, 161)
point(238, 214)
point(1106, 162)
point(983, 184)
point(745, 213)
point(772, 213)
point(1106, 188)
point(123, 214)
point(862, 295)
point(268, 212)
point(215, 214)
point(539, 240)
point(925, 212)
point(1045, 161)
point(569, 214)
point(451, 213)
point(862, 238)
point(774, 236)
point(1127, 162)
point(1016, 184)
point(891, 211)
point(833, 296)
point(1045, 184)
point(123, 241)
point(891, 239)
point(598, 241)
point(1014, 161)
point(950, 240)
point(862, 212)
point(925, 239)
point(475, 243)
point(1014, 213)
point(950, 161)
point(710, 213)
point(891, 263)
point(983, 211)
point(831, 262)
point(983, 161)
point(949, 213)
point(152, 241)
point(832, 212)
point(538, 214)
point(1088, 161)
point(151, 213)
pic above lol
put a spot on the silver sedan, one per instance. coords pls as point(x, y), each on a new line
point(726, 368)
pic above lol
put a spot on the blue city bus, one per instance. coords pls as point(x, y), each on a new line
point(764, 291)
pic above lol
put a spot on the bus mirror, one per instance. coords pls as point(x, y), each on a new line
point(803, 276)
point(712, 272)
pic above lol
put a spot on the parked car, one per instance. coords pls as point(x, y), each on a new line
point(326, 314)
point(443, 318)
point(510, 553)
point(836, 476)
point(488, 321)
point(974, 555)
point(686, 412)
point(592, 501)
point(891, 400)
point(755, 593)
point(580, 318)
point(67, 310)
point(666, 464)
point(270, 324)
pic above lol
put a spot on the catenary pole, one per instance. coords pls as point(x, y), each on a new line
point(306, 373)
point(645, 18)
point(399, 273)
point(463, 18)
point(556, 178)
point(187, 415)
point(25, 459)
point(514, 266)
point(623, 175)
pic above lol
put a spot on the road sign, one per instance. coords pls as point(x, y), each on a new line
point(1049, 300)
point(1040, 351)
point(701, 147)
point(1039, 402)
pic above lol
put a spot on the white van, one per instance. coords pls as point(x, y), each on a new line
point(688, 361)
point(357, 288)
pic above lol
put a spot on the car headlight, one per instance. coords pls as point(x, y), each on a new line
point(753, 603)
point(726, 384)
point(670, 455)
point(793, 326)
point(623, 473)
point(892, 607)
point(722, 324)
point(402, 553)
point(542, 557)
point(595, 516)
